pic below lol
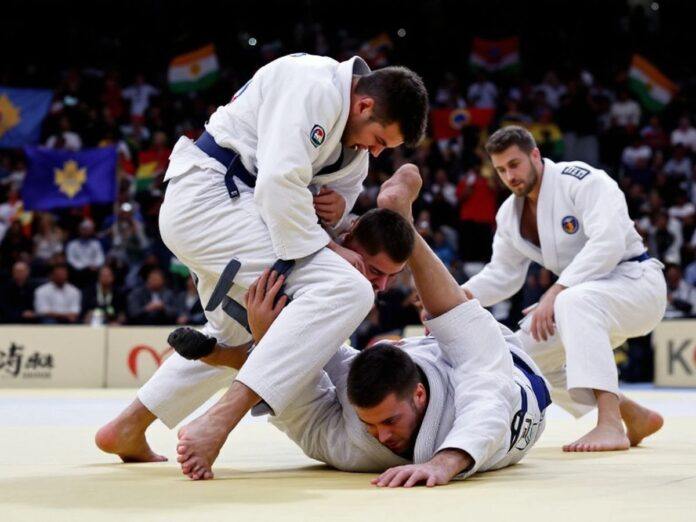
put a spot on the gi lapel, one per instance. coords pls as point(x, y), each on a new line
point(546, 223)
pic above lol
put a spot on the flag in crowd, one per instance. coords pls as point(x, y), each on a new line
point(653, 88)
point(21, 113)
point(495, 55)
point(194, 71)
point(61, 178)
point(375, 50)
point(448, 123)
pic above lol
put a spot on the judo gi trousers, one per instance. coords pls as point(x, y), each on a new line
point(205, 229)
point(592, 319)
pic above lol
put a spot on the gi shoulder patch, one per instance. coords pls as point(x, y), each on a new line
point(576, 172)
point(317, 135)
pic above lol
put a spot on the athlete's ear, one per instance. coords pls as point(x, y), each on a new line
point(366, 104)
point(536, 153)
point(420, 396)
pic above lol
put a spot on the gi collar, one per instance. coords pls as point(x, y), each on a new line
point(344, 80)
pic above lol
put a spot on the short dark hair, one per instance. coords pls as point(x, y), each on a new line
point(400, 97)
point(383, 230)
point(506, 137)
point(379, 371)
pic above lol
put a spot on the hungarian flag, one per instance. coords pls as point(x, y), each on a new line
point(448, 123)
point(653, 88)
point(194, 71)
point(495, 55)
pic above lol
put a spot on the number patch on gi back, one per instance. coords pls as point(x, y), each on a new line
point(576, 172)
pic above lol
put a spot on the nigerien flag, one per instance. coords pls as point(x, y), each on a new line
point(194, 71)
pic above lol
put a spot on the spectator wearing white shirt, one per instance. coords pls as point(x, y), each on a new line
point(680, 165)
point(625, 112)
point(139, 95)
point(482, 94)
point(65, 138)
point(553, 89)
point(85, 255)
point(57, 301)
point(685, 134)
point(637, 154)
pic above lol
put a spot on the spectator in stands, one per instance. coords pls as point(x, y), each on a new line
point(681, 296)
point(679, 165)
point(17, 296)
point(85, 255)
point(443, 249)
point(548, 135)
point(58, 301)
point(637, 154)
point(189, 307)
point(65, 138)
point(16, 246)
point(139, 95)
point(105, 297)
point(552, 88)
point(684, 134)
point(664, 237)
point(128, 239)
point(654, 134)
point(482, 94)
point(49, 238)
point(477, 208)
point(152, 303)
point(625, 112)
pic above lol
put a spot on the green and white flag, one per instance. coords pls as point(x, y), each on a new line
point(653, 88)
point(194, 71)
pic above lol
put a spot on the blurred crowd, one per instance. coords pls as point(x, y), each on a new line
point(105, 264)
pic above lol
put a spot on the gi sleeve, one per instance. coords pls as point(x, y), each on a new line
point(484, 389)
point(350, 187)
point(289, 119)
point(504, 275)
point(602, 207)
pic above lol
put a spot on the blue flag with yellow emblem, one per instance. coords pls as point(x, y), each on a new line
point(21, 113)
point(62, 178)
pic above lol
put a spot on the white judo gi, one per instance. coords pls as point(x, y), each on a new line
point(475, 400)
point(587, 239)
point(286, 126)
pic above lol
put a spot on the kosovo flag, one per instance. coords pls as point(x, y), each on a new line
point(61, 178)
point(21, 114)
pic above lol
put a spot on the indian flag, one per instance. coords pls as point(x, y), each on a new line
point(495, 55)
point(653, 88)
point(194, 71)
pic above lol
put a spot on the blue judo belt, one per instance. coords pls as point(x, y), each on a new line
point(230, 159)
point(643, 257)
point(541, 392)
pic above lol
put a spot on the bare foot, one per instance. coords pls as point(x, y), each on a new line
point(199, 445)
point(640, 421)
point(604, 437)
point(127, 440)
point(401, 190)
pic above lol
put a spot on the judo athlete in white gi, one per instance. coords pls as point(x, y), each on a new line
point(573, 220)
point(464, 399)
point(243, 191)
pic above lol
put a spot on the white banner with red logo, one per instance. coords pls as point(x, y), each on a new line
point(134, 354)
point(674, 344)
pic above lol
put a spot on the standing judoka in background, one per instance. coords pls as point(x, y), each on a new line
point(423, 410)
point(573, 220)
point(302, 125)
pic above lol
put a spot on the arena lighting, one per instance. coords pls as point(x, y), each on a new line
point(401, 32)
point(252, 41)
point(654, 6)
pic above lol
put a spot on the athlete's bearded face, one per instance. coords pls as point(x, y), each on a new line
point(395, 422)
point(517, 169)
point(364, 132)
